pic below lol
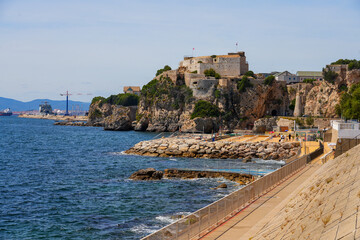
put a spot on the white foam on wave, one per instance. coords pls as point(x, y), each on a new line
point(142, 229)
point(166, 219)
point(118, 153)
point(270, 161)
point(173, 159)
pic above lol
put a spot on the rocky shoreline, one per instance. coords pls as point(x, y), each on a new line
point(179, 147)
point(153, 174)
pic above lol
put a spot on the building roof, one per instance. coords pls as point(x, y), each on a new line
point(309, 74)
point(284, 73)
point(133, 88)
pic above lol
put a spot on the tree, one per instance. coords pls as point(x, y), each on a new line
point(309, 80)
point(250, 74)
point(309, 121)
point(211, 73)
point(205, 109)
point(329, 75)
point(243, 84)
point(160, 71)
point(269, 80)
point(349, 106)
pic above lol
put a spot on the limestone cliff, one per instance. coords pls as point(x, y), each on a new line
point(167, 105)
point(321, 97)
point(111, 117)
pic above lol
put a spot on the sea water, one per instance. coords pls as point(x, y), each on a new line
point(66, 182)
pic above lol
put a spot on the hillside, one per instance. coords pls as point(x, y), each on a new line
point(16, 105)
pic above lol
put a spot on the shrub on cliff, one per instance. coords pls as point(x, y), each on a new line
point(98, 99)
point(309, 80)
point(250, 74)
point(292, 104)
point(205, 109)
point(269, 80)
point(329, 75)
point(352, 64)
point(160, 71)
point(243, 84)
point(211, 73)
point(349, 106)
point(124, 99)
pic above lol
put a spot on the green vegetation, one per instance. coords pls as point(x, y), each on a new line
point(211, 73)
point(164, 91)
point(243, 84)
point(205, 109)
point(329, 75)
point(194, 71)
point(353, 64)
point(217, 93)
point(200, 61)
point(250, 74)
point(97, 99)
point(269, 80)
point(213, 56)
point(160, 71)
point(292, 104)
point(124, 99)
point(309, 80)
point(299, 122)
point(96, 114)
point(349, 106)
point(343, 88)
point(309, 121)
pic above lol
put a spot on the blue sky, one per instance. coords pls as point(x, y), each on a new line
point(97, 47)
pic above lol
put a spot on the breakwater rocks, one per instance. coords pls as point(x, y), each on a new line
point(72, 123)
point(152, 174)
point(177, 147)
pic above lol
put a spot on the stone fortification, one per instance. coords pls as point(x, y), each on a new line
point(176, 147)
point(233, 64)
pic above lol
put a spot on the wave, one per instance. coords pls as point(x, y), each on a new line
point(280, 162)
point(117, 153)
point(142, 229)
point(173, 159)
point(168, 219)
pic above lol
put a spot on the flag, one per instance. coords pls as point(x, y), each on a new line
point(193, 49)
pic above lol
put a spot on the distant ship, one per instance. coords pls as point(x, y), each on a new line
point(6, 112)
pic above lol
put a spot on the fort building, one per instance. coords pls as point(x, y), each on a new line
point(233, 64)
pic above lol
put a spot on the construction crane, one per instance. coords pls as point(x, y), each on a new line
point(67, 94)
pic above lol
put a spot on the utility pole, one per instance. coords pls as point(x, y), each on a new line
point(67, 94)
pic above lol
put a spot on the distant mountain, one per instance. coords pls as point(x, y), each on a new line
point(16, 105)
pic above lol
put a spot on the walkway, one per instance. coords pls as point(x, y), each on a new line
point(250, 220)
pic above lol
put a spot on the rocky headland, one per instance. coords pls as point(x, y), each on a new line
point(177, 147)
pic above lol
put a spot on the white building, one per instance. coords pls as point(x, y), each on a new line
point(349, 129)
point(286, 76)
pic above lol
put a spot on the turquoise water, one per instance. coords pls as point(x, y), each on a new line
point(64, 182)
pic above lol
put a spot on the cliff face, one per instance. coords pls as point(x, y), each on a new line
point(320, 98)
point(111, 117)
point(167, 106)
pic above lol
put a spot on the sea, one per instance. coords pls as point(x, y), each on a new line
point(66, 182)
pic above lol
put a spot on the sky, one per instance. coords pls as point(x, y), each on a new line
point(95, 48)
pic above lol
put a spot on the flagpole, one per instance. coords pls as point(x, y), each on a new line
point(236, 46)
point(193, 52)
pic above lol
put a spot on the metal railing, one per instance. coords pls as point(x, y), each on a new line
point(202, 221)
point(346, 144)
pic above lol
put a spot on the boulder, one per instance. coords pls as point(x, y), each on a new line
point(264, 124)
point(147, 174)
point(223, 185)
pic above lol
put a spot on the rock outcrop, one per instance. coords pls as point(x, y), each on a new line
point(147, 174)
point(264, 124)
point(111, 117)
